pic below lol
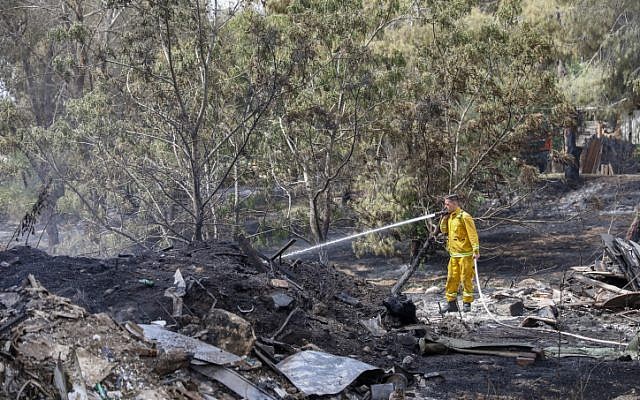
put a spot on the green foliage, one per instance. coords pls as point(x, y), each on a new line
point(599, 42)
point(14, 201)
point(473, 87)
point(150, 112)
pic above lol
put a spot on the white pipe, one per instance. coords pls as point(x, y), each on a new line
point(554, 331)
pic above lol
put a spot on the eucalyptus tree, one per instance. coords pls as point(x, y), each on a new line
point(195, 81)
point(48, 51)
point(472, 87)
point(599, 43)
point(320, 120)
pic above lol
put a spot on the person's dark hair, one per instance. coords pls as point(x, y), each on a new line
point(452, 197)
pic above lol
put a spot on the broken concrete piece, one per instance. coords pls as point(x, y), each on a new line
point(281, 301)
point(550, 312)
point(171, 361)
point(279, 283)
point(60, 380)
point(229, 331)
point(510, 306)
point(78, 384)
point(318, 373)
point(176, 299)
point(92, 368)
point(169, 340)
point(407, 361)
point(531, 283)
point(381, 391)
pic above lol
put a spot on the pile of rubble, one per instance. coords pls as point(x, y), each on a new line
point(52, 348)
point(611, 283)
point(600, 301)
point(221, 320)
point(211, 321)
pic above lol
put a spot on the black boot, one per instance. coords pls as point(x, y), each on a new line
point(452, 306)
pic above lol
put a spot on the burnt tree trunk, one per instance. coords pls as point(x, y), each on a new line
point(634, 230)
point(572, 167)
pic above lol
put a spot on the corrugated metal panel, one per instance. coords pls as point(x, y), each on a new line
point(635, 127)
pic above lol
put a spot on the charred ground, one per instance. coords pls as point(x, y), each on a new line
point(554, 228)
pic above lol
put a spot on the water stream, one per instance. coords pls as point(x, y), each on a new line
point(357, 235)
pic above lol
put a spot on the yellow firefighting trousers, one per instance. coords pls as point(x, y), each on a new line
point(460, 269)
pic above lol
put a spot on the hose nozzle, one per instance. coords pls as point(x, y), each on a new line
point(442, 212)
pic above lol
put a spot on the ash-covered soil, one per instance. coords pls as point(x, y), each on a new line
point(539, 238)
point(224, 278)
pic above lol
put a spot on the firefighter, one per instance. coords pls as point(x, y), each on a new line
point(463, 246)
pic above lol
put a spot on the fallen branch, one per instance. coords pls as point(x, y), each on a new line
point(414, 265)
point(286, 322)
point(34, 384)
point(215, 301)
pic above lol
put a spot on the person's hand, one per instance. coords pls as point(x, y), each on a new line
point(476, 256)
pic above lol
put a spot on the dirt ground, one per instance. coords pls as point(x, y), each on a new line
point(548, 231)
point(545, 233)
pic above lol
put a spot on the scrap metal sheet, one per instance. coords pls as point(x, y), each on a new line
point(318, 373)
point(234, 381)
point(202, 351)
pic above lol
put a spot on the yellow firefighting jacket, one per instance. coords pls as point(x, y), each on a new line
point(462, 240)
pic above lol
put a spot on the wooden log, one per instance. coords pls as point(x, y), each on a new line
point(255, 258)
point(572, 167)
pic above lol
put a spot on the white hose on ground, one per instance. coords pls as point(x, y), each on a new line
point(554, 331)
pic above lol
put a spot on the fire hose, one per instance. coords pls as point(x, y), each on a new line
point(543, 330)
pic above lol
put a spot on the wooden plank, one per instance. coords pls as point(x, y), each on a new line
point(627, 252)
point(601, 285)
point(583, 268)
point(587, 270)
point(592, 156)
